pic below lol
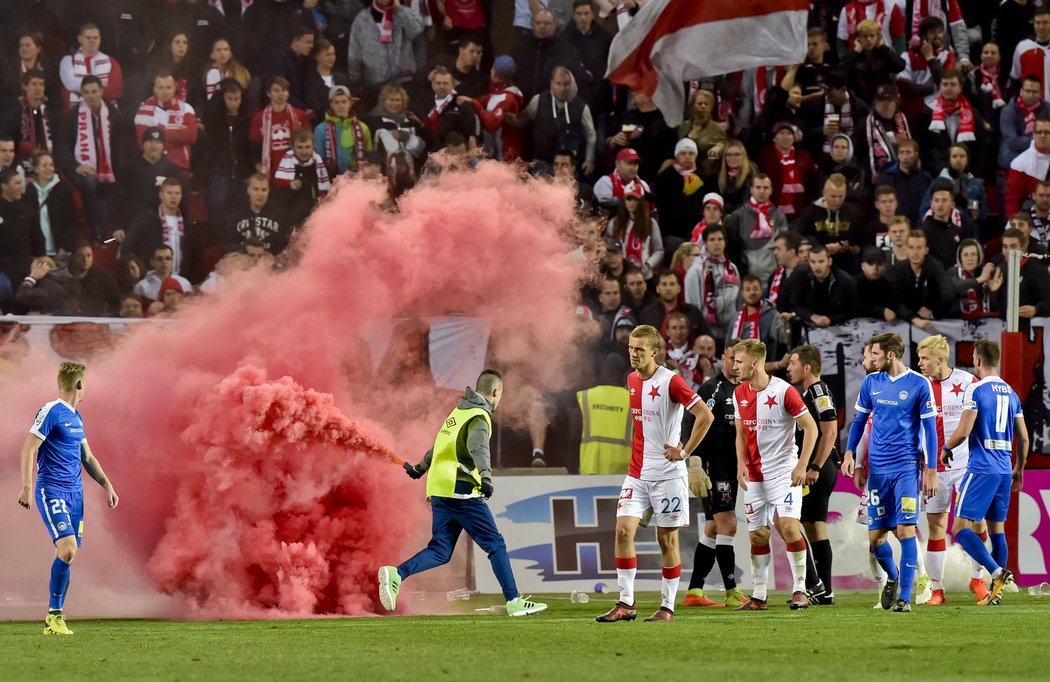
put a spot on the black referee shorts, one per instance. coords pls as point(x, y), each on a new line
point(815, 503)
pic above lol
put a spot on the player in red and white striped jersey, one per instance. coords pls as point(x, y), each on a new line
point(770, 469)
point(948, 388)
point(656, 477)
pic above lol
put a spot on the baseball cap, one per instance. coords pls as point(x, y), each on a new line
point(337, 90)
point(634, 189)
point(628, 154)
point(886, 91)
point(613, 244)
point(873, 254)
point(780, 125)
point(505, 66)
point(625, 323)
point(153, 133)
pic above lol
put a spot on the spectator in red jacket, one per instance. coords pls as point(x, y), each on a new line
point(1029, 167)
point(502, 140)
point(790, 168)
point(177, 119)
point(272, 127)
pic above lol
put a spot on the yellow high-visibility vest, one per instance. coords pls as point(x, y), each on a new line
point(605, 446)
point(441, 477)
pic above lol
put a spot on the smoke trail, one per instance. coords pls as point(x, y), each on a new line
point(248, 494)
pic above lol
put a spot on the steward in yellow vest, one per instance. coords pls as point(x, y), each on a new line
point(459, 480)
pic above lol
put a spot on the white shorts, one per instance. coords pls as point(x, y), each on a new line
point(669, 500)
point(947, 485)
point(763, 498)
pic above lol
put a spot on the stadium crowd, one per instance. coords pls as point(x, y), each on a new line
point(886, 176)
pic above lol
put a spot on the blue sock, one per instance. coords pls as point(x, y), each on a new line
point(59, 584)
point(1000, 550)
point(884, 554)
point(909, 562)
point(976, 549)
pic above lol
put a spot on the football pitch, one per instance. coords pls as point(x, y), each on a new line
point(846, 641)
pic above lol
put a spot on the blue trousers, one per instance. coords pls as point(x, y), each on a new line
point(451, 516)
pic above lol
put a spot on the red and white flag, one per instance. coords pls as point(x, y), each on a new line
point(670, 42)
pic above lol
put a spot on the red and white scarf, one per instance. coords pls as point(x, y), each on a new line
point(762, 85)
point(633, 248)
point(174, 240)
point(87, 152)
point(386, 24)
point(943, 110)
point(619, 186)
point(267, 124)
point(763, 227)
point(775, 282)
point(434, 117)
point(27, 129)
point(698, 232)
point(917, 60)
point(845, 120)
point(882, 142)
point(790, 181)
point(1029, 114)
point(747, 322)
point(990, 84)
point(217, 4)
point(974, 301)
point(710, 309)
point(100, 65)
point(332, 143)
point(955, 218)
point(857, 12)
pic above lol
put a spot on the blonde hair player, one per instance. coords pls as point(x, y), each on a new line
point(59, 446)
point(657, 479)
point(949, 386)
point(770, 468)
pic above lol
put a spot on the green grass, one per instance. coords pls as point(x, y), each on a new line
point(846, 642)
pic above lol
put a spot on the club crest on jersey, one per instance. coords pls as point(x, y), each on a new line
point(903, 395)
point(711, 403)
point(62, 526)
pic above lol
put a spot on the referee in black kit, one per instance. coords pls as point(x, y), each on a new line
point(804, 372)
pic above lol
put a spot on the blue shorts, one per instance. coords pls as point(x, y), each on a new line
point(983, 496)
point(62, 512)
point(893, 500)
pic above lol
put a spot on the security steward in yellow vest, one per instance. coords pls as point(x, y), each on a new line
point(459, 480)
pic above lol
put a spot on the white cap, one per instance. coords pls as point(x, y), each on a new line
point(685, 143)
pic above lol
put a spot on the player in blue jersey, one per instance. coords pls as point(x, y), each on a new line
point(991, 416)
point(903, 415)
point(58, 444)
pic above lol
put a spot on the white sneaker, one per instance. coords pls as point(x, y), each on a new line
point(923, 589)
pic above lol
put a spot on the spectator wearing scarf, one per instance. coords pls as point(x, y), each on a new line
point(342, 139)
point(884, 129)
point(380, 45)
point(88, 60)
point(754, 226)
point(678, 191)
point(790, 168)
point(712, 284)
point(950, 120)
point(968, 281)
point(34, 119)
point(177, 119)
point(1017, 121)
point(502, 140)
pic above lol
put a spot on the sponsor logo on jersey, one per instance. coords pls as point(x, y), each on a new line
point(627, 494)
point(908, 505)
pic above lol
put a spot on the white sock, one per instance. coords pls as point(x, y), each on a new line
point(877, 571)
point(976, 570)
point(760, 571)
point(920, 565)
point(625, 571)
point(936, 557)
point(797, 559)
point(669, 586)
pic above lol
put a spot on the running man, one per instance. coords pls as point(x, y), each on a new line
point(58, 444)
point(656, 477)
point(459, 474)
point(900, 402)
point(991, 413)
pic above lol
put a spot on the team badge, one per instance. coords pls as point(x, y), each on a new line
point(903, 395)
point(62, 525)
point(711, 403)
